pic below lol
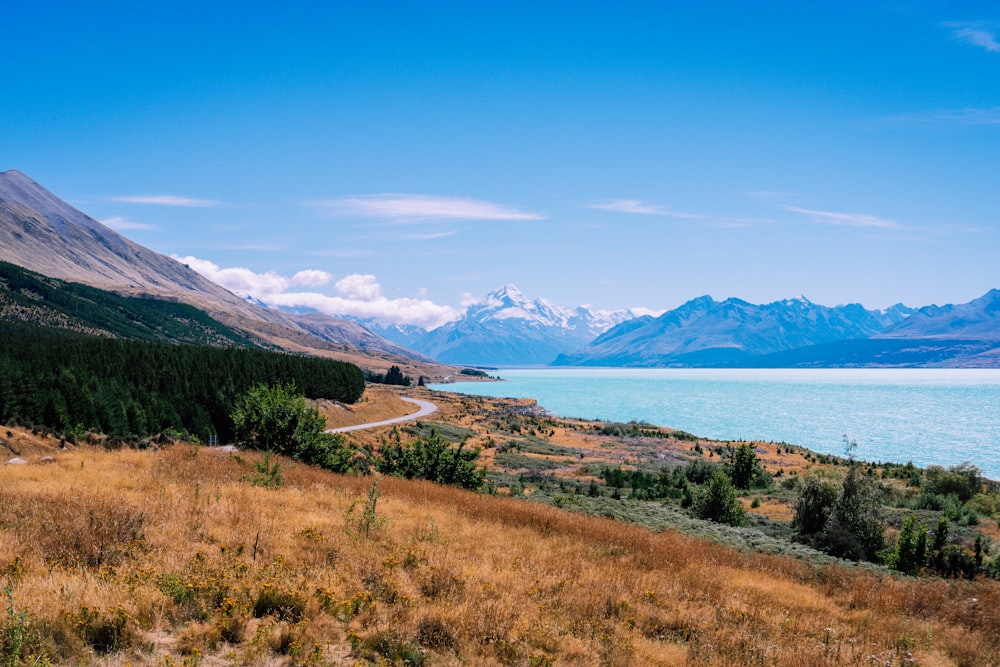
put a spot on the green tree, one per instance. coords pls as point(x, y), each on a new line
point(745, 469)
point(719, 502)
point(963, 480)
point(278, 419)
point(395, 376)
point(910, 552)
point(431, 458)
point(855, 529)
point(816, 499)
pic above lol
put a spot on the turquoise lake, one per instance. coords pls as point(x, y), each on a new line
point(928, 416)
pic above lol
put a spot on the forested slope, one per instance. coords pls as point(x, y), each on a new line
point(31, 297)
point(70, 382)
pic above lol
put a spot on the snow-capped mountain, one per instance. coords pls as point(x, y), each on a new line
point(507, 328)
point(704, 331)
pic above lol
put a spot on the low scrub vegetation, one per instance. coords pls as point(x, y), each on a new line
point(191, 564)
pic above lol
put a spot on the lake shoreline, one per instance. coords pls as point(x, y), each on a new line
point(931, 417)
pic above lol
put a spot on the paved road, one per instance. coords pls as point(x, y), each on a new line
point(426, 408)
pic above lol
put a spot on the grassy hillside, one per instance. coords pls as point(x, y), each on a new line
point(173, 557)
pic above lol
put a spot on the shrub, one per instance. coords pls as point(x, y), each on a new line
point(284, 605)
point(963, 480)
point(699, 471)
point(854, 528)
point(910, 552)
point(719, 503)
point(745, 469)
point(105, 632)
point(277, 419)
point(812, 508)
point(432, 459)
point(19, 642)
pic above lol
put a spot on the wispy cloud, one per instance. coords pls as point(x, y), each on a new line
point(949, 118)
point(120, 222)
point(642, 208)
point(258, 247)
point(768, 194)
point(404, 207)
point(975, 33)
point(430, 236)
point(355, 295)
point(167, 200)
point(846, 219)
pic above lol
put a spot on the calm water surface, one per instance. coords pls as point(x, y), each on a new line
point(926, 416)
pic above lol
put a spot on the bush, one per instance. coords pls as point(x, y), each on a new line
point(719, 503)
point(699, 471)
point(745, 469)
point(910, 552)
point(816, 499)
point(277, 419)
point(433, 459)
point(963, 480)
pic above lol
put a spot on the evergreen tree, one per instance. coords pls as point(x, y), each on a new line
point(910, 553)
point(719, 502)
point(854, 529)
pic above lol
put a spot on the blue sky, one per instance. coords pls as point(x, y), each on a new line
point(402, 159)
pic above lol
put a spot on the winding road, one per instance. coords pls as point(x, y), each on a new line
point(426, 408)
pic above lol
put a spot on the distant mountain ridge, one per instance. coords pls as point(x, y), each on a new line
point(42, 233)
point(507, 329)
point(978, 319)
point(797, 332)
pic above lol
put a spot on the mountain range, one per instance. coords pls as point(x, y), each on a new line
point(507, 329)
point(42, 233)
point(797, 332)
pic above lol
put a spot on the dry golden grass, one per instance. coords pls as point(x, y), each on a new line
point(168, 557)
point(376, 404)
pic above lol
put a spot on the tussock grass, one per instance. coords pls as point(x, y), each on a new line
point(167, 557)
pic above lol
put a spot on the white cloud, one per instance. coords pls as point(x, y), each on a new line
point(240, 280)
point(404, 207)
point(312, 278)
point(120, 222)
point(974, 33)
point(643, 208)
point(846, 219)
point(949, 117)
point(356, 295)
point(359, 287)
point(420, 312)
point(167, 200)
point(469, 299)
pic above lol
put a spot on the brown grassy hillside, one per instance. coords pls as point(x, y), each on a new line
point(172, 557)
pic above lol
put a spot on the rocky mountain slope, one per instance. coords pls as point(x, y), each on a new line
point(508, 329)
point(797, 332)
point(978, 319)
point(42, 233)
point(34, 300)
